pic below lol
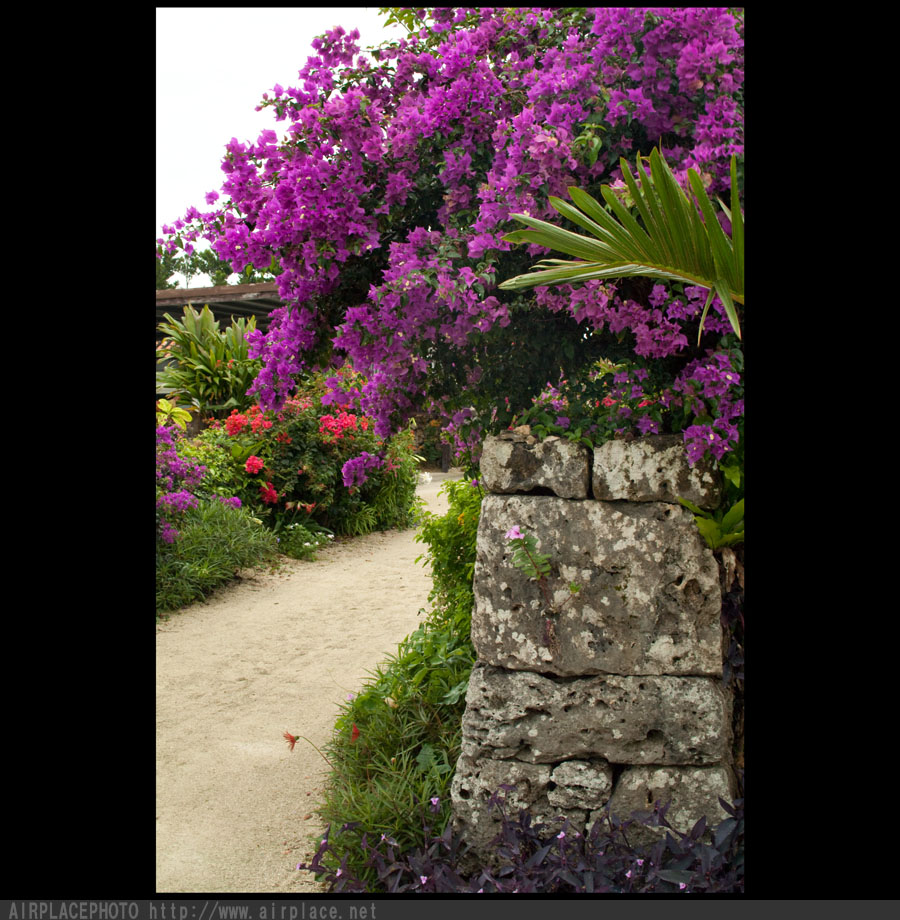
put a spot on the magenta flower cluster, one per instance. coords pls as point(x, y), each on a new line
point(177, 481)
point(354, 470)
point(485, 110)
point(176, 478)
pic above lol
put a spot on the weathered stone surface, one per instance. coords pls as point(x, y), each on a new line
point(693, 791)
point(549, 794)
point(652, 469)
point(538, 719)
point(649, 599)
point(577, 784)
point(509, 463)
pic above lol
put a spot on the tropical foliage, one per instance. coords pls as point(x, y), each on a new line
point(209, 367)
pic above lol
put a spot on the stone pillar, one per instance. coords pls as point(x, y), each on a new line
point(615, 696)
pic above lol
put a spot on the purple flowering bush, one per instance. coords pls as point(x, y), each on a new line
point(176, 479)
point(385, 206)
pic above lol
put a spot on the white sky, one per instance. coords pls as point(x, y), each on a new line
point(212, 68)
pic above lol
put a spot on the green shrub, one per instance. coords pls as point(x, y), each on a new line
point(215, 542)
point(451, 553)
point(212, 368)
point(223, 475)
point(395, 744)
point(301, 541)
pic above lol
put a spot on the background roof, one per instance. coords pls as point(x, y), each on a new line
point(225, 301)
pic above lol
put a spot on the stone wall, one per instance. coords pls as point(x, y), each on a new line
point(615, 694)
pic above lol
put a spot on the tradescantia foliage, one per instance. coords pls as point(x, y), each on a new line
point(383, 201)
point(673, 241)
point(532, 859)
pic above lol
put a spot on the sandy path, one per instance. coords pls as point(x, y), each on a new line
point(275, 653)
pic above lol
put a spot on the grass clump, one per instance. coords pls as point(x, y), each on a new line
point(215, 542)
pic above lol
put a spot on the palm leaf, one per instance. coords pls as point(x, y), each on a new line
point(680, 240)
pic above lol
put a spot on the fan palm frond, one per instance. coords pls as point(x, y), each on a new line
point(675, 240)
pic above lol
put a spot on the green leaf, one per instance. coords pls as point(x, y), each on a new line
point(425, 758)
point(732, 473)
point(710, 530)
point(733, 517)
point(545, 234)
point(456, 693)
point(724, 293)
point(692, 507)
point(709, 298)
point(732, 539)
point(675, 244)
point(678, 876)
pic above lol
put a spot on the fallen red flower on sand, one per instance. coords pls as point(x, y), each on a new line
point(291, 739)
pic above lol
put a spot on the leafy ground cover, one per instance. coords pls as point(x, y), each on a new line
point(531, 860)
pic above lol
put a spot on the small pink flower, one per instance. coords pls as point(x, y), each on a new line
point(253, 464)
point(513, 533)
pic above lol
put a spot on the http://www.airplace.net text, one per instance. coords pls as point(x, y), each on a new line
point(166, 909)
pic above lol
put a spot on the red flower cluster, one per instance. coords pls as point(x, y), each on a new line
point(235, 423)
point(268, 494)
point(329, 425)
point(238, 421)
